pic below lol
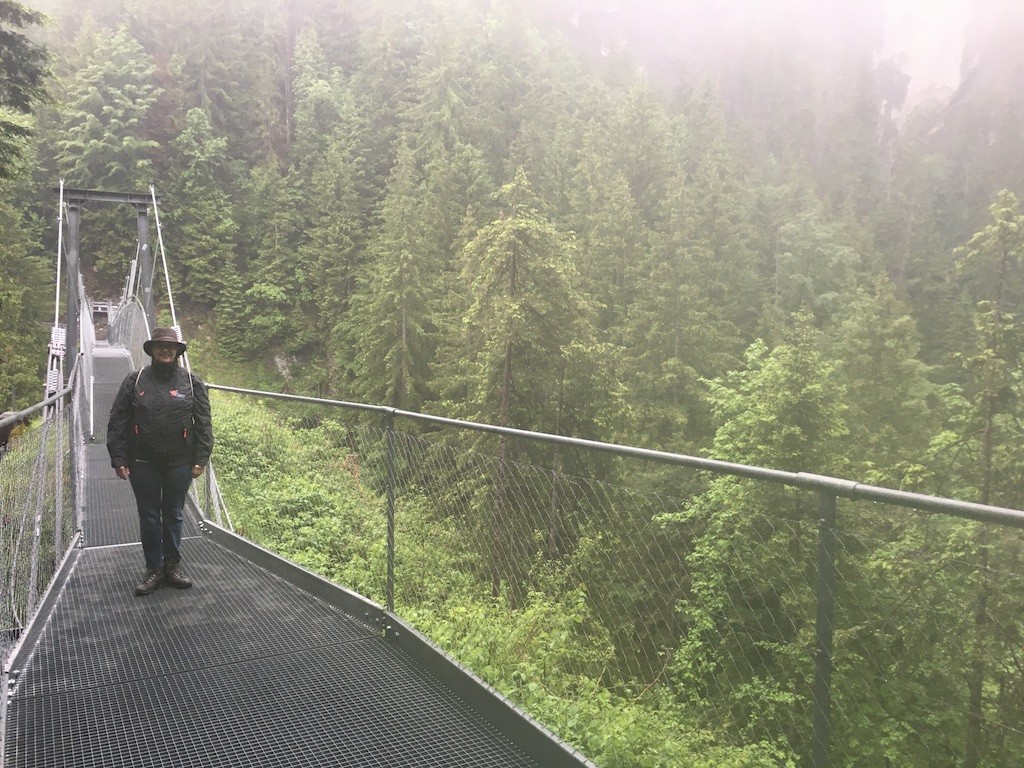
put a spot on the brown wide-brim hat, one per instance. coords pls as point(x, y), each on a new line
point(164, 334)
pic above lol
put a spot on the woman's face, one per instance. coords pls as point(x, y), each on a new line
point(164, 351)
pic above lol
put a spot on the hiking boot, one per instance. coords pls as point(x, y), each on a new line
point(154, 578)
point(174, 577)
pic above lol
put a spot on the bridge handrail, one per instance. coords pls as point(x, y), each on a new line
point(839, 487)
point(15, 417)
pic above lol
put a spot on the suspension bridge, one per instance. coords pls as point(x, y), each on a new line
point(266, 662)
point(263, 663)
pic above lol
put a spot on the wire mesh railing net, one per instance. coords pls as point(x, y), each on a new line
point(930, 613)
point(37, 516)
point(680, 623)
point(129, 329)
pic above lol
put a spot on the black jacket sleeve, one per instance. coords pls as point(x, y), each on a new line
point(120, 423)
point(202, 422)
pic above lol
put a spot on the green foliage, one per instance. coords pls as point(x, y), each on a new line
point(392, 323)
point(25, 66)
point(328, 527)
point(102, 143)
point(26, 298)
point(992, 268)
point(277, 287)
point(895, 409)
point(201, 231)
point(523, 309)
point(748, 618)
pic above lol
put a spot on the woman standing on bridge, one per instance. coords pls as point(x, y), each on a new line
point(159, 437)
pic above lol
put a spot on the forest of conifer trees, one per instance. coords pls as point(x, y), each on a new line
point(456, 208)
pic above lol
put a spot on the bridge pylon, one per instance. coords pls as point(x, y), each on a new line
point(73, 200)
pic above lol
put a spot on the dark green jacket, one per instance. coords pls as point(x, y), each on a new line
point(161, 415)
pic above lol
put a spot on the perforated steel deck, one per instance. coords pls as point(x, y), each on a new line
point(109, 515)
point(244, 669)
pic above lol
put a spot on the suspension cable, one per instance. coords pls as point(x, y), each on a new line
point(163, 255)
point(167, 274)
point(60, 253)
point(130, 287)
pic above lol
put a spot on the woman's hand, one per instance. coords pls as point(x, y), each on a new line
point(123, 472)
point(196, 471)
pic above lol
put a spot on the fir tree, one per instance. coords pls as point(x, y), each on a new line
point(25, 66)
point(201, 234)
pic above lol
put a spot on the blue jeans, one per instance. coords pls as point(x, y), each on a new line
point(160, 494)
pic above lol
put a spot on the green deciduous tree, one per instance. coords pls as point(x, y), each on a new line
point(750, 615)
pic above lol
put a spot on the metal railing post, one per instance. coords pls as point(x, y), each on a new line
point(208, 489)
point(824, 629)
point(389, 423)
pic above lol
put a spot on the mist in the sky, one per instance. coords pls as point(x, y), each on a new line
point(926, 38)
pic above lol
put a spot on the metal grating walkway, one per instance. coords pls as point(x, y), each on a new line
point(259, 664)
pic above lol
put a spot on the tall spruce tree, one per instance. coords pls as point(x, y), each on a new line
point(103, 144)
point(894, 410)
point(228, 60)
point(201, 233)
point(507, 365)
point(991, 265)
point(26, 296)
point(612, 242)
point(278, 286)
point(523, 307)
point(391, 319)
point(340, 208)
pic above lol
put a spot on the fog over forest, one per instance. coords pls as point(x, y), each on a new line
point(925, 37)
point(936, 43)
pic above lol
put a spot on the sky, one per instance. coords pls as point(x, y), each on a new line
point(927, 37)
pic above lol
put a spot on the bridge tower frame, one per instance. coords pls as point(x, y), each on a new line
point(74, 201)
